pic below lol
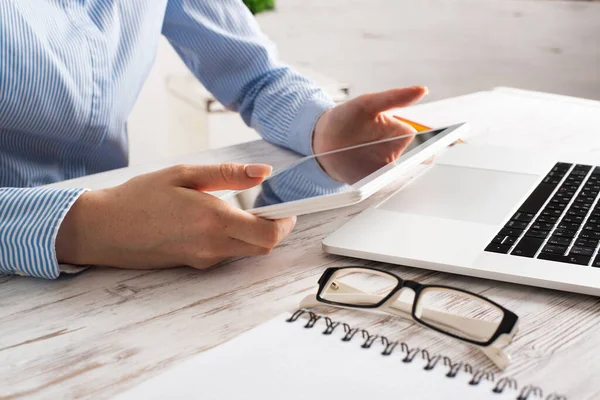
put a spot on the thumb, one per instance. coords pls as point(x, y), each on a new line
point(219, 177)
point(375, 103)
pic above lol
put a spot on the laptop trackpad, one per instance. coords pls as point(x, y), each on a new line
point(465, 194)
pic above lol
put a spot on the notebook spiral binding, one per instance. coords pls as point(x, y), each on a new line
point(528, 392)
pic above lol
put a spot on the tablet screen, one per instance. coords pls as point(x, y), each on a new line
point(331, 172)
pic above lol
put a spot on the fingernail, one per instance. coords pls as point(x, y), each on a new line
point(258, 170)
point(426, 90)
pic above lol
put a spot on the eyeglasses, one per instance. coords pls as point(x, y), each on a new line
point(454, 312)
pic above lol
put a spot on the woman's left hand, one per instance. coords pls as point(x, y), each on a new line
point(363, 120)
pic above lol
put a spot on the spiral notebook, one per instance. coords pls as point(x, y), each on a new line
point(307, 356)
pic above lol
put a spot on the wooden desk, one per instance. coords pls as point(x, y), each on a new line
point(104, 330)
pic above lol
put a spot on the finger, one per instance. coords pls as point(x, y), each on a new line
point(218, 177)
point(258, 231)
point(406, 134)
point(375, 103)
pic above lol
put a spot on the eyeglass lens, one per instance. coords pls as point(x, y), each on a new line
point(355, 286)
point(459, 313)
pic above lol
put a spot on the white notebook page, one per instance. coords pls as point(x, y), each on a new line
point(283, 360)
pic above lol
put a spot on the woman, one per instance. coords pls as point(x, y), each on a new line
point(70, 73)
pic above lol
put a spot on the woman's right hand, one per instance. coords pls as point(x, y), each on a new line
point(164, 219)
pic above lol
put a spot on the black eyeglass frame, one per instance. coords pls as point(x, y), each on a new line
point(506, 326)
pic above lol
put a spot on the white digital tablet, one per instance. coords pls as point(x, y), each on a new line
point(354, 174)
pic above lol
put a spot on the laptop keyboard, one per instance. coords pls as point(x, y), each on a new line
point(559, 221)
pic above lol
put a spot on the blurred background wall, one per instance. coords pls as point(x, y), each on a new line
point(452, 46)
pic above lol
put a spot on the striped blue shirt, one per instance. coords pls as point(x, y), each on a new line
point(70, 73)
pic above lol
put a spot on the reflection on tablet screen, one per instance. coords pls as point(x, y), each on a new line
point(331, 172)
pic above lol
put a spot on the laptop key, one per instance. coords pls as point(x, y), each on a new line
point(582, 167)
point(536, 234)
point(581, 207)
point(592, 187)
point(561, 166)
point(587, 242)
point(554, 213)
point(554, 249)
point(502, 239)
point(523, 216)
point(516, 224)
point(498, 239)
point(584, 199)
point(589, 235)
point(556, 206)
point(577, 172)
point(572, 183)
point(527, 247)
point(541, 226)
point(566, 192)
point(511, 231)
point(560, 198)
point(577, 213)
point(576, 176)
point(596, 262)
point(581, 251)
point(570, 259)
point(564, 233)
point(591, 227)
point(560, 241)
point(553, 180)
point(556, 174)
point(571, 226)
point(573, 219)
point(498, 248)
point(537, 198)
point(550, 219)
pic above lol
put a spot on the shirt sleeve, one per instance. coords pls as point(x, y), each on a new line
point(29, 222)
point(222, 44)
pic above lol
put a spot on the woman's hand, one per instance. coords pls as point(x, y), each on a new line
point(163, 219)
point(363, 120)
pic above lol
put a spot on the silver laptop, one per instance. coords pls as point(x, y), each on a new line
point(491, 212)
